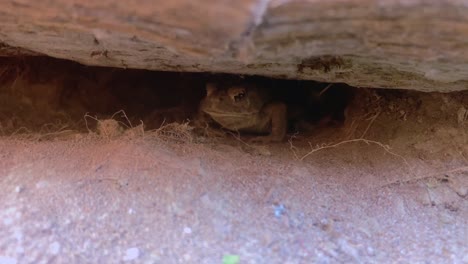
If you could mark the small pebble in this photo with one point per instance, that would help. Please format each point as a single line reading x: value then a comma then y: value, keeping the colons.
x: 370, y: 251
x: 279, y: 210
x: 187, y: 230
x: 131, y: 254
x: 54, y: 248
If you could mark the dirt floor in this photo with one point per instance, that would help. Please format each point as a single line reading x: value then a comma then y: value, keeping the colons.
x: 89, y: 175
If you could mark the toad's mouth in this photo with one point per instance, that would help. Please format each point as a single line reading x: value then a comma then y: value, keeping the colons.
x: 232, y: 114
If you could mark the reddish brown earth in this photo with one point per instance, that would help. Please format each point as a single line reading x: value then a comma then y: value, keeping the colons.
x: 389, y: 186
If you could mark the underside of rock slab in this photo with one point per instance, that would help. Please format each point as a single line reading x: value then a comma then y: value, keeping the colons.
x: 410, y: 44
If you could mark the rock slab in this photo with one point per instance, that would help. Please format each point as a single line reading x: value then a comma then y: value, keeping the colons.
x: 411, y: 44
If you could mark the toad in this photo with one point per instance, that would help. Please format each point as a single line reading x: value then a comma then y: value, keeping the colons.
x: 244, y: 108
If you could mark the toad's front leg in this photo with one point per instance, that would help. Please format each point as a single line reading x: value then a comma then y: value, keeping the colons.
x: 202, y: 123
x: 277, y: 113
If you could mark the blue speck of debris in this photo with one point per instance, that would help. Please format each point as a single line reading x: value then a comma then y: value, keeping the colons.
x: 279, y: 210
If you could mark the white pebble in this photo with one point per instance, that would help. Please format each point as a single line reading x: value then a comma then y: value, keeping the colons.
x: 371, y: 251
x: 131, y: 254
x: 187, y: 230
x: 54, y: 248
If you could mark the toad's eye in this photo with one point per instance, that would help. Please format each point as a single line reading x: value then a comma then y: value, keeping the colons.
x: 239, y: 96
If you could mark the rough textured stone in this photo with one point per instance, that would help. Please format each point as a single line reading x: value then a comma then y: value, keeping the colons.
x: 412, y: 44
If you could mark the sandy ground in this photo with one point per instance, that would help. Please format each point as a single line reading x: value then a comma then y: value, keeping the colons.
x: 390, y: 187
